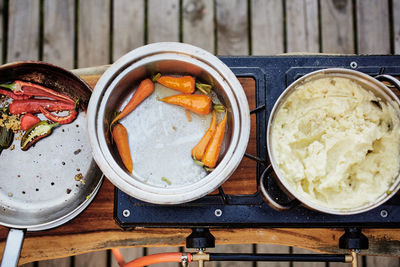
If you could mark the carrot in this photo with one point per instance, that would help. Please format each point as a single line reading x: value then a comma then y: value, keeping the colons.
x: 184, y: 84
x: 199, y: 150
x: 145, y: 88
x: 120, y: 136
x: 200, y: 104
x: 212, y: 152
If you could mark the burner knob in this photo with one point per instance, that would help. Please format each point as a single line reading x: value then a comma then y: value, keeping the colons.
x: 200, y: 238
x: 353, y: 239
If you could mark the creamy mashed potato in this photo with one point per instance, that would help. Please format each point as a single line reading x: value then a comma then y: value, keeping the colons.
x: 336, y: 143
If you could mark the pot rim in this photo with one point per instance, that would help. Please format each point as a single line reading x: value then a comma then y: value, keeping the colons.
x: 152, y: 53
x: 280, y: 178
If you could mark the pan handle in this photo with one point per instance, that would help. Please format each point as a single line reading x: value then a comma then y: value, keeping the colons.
x: 389, y: 78
x: 13, y: 247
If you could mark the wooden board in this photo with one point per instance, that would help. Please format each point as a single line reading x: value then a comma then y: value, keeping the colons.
x: 163, y: 21
x: 396, y: 25
x: 198, y: 16
x: 232, y: 27
x: 94, y: 259
x: 59, y: 33
x: 302, y: 26
x: 64, y: 262
x: 23, y: 30
x: 337, y: 29
x: 267, y: 27
x: 93, y: 33
x: 373, y: 27
x: 128, y: 26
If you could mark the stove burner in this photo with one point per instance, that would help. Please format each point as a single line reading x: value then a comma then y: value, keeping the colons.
x: 272, y: 75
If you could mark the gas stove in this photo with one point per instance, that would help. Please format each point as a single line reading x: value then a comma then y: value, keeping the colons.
x: 272, y: 75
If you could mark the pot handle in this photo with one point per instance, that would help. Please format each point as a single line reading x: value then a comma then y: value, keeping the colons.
x: 269, y: 199
x: 13, y: 247
x: 389, y: 78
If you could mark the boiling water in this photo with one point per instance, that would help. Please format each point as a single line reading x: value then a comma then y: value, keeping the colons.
x: 161, y: 138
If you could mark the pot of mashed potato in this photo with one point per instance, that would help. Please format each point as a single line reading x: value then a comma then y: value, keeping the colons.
x: 334, y: 141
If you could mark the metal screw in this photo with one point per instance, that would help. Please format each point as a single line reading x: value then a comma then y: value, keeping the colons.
x: 384, y: 213
x: 126, y: 213
x: 353, y: 64
x: 218, y: 212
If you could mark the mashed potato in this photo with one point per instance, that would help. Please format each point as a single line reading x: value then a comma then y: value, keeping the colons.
x: 336, y: 143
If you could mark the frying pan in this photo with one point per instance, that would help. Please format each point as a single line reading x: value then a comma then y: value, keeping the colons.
x: 54, y: 180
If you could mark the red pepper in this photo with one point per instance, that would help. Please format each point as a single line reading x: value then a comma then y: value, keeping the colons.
x: 13, y: 96
x: 33, y: 106
x: 32, y: 89
x: 28, y: 120
x: 60, y: 119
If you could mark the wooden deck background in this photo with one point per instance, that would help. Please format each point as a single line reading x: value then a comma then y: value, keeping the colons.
x: 83, y: 33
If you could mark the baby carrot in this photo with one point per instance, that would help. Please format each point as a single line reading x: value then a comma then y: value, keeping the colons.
x: 145, y: 88
x: 120, y: 136
x: 212, y: 152
x: 184, y: 84
x: 199, y: 150
x: 200, y: 104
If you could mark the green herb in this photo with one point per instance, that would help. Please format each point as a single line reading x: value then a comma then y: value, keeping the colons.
x: 166, y: 180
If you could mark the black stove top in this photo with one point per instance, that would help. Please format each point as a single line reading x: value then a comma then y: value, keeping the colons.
x: 272, y: 75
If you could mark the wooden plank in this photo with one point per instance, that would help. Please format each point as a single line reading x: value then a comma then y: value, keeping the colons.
x: 373, y: 27
x: 197, y: 17
x: 128, y: 34
x: 302, y: 26
x: 59, y: 30
x: 129, y: 254
x: 262, y: 248
x: 128, y: 26
x: 1, y: 29
x: 93, y: 33
x: 156, y: 250
x: 337, y: 29
x: 306, y: 264
x: 383, y: 261
x: 232, y: 37
x: 32, y: 264
x: 163, y: 21
x: 267, y: 31
x: 94, y: 259
x: 62, y: 262
x: 396, y: 25
x: 232, y: 27
x: 93, y: 49
x: 23, y: 30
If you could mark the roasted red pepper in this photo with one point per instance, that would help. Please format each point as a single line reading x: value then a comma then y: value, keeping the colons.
x: 32, y: 89
x: 13, y: 96
x: 33, y: 106
x: 35, y: 133
x: 28, y: 120
x: 72, y: 114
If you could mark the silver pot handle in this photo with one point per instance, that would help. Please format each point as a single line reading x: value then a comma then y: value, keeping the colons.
x: 389, y: 78
x: 269, y: 199
x: 13, y: 247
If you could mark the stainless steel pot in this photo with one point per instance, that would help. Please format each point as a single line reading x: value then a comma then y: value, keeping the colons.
x: 367, y: 82
x: 176, y: 59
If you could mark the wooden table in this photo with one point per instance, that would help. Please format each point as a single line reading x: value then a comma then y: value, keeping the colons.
x: 95, y: 229
x: 77, y: 34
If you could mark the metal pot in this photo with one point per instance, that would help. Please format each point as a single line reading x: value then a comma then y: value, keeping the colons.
x: 176, y: 59
x: 367, y: 82
x: 38, y: 187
